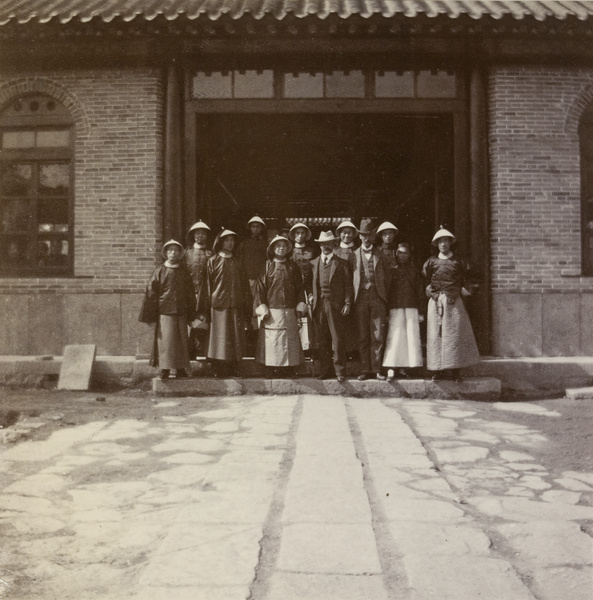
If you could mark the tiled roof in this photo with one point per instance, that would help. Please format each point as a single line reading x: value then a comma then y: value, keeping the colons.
x: 42, y: 11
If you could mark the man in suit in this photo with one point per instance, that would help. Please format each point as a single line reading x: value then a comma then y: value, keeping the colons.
x: 330, y: 296
x: 371, y: 281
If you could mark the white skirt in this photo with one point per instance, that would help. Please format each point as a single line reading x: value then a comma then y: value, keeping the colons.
x: 403, y: 347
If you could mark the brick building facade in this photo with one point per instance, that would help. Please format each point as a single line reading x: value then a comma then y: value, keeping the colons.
x: 542, y: 305
x: 141, y: 126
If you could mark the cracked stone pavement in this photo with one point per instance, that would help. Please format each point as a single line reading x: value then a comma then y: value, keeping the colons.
x: 296, y: 497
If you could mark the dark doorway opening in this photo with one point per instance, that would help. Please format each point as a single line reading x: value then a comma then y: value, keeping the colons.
x: 322, y: 166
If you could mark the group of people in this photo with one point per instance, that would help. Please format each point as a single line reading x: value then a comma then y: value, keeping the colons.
x: 355, y: 291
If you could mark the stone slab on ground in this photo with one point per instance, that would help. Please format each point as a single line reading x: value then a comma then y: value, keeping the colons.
x: 584, y: 393
x: 308, y: 586
x: 456, y: 578
x: 331, y: 548
x: 77, y: 367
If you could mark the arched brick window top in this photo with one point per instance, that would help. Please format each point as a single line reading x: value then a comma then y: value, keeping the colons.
x: 36, y: 183
x: 18, y: 89
x: 586, y: 146
x: 34, y: 109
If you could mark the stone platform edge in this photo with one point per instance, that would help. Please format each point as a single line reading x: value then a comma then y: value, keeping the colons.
x: 474, y: 388
x: 523, y: 375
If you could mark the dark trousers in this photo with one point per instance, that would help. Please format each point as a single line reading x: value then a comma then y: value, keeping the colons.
x: 371, y: 317
x: 329, y: 333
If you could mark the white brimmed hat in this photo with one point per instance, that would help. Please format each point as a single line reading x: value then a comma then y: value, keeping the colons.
x: 442, y: 232
x: 302, y: 226
x: 256, y: 220
x: 326, y: 236
x: 199, y: 225
x: 386, y: 226
x: 346, y: 224
x: 172, y: 243
x: 223, y: 233
x: 278, y: 238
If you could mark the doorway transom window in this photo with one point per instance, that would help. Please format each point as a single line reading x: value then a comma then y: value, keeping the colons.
x: 355, y: 83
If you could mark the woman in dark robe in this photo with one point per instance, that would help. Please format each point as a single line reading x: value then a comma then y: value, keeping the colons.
x: 302, y: 254
x: 403, y: 348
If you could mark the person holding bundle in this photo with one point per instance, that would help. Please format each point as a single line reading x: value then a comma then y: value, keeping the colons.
x: 450, y: 343
x: 279, y: 298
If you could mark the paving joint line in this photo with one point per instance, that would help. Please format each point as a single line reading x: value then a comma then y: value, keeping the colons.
x: 394, y: 574
x: 269, y: 544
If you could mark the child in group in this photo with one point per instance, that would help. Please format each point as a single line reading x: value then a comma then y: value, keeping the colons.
x: 450, y: 343
x: 348, y: 235
x: 403, y: 348
x: 196, y: 258
x: 226, y: 305
x: 279, y: 299
x: 388, y: 233
x: 330, y: 297
x: 169, y: 302
x: 252, y: 257
x: 302, y: 254
x: 371, y: 283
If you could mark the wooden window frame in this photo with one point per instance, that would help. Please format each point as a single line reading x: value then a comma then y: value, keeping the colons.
x: 38, y: 157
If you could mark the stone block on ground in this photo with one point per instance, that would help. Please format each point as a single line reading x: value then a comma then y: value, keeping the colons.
x: 329, y: 548
x: 456, y: 577
x: 308, y: 586
x: 584, y: 393
x: 77, y: 366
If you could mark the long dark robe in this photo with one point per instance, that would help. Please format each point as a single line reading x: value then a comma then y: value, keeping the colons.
x: 169, y: 293
x: 225, y: 304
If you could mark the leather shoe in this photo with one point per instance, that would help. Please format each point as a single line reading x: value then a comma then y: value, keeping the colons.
x: 381, y: 377
x: 165, y: 374
x: 362, y: 377
x: 341, y: 378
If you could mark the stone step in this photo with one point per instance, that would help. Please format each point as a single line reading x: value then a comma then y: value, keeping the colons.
x: 474, y: 388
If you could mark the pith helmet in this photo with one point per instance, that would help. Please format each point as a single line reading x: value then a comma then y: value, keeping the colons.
x: 199, y: 225
x: 441, y: 233
x: 256, y: 220
x: 346, y: 224
x: 172, y: 243
x: 224, y: 233
x: 386, y: 226
x: 278, y: 238
x: 326, y: 236
x: 303, y: 226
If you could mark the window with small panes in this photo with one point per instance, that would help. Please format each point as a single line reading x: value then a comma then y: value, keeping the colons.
x: 36, y: 157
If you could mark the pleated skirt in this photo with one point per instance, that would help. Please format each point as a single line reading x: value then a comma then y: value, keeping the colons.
x: 279, y: 343
x: 450, y: 341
